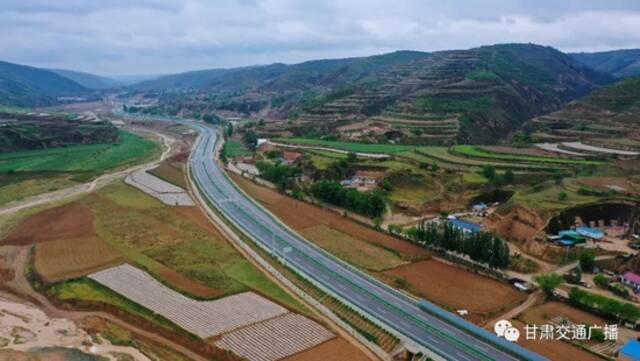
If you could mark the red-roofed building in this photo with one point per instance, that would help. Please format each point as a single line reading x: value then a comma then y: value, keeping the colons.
x: 289, y: 158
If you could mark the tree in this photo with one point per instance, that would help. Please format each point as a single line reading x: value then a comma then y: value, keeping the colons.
x: 562, y: 196
x: 509, y: 177
x: 352, y: 157
x: 251, y: 139
x: 587, y: 260
x: 601, y: 280
x: 489, y: 172
x: 549, y: 281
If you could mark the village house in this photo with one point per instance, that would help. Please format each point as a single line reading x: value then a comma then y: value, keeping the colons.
x: 632, y: 280
x: 289, y: 158
x: 364, y: 179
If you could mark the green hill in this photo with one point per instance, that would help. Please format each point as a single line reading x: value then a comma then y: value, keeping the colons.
x: 609, y: 115
x: 89, y: 81
x: 26, y: 86
x: 476, y: 95
x: 619, y: 63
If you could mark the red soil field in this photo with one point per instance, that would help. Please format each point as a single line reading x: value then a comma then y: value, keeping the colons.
x: 71, y: 220
x: 458, y: 288
x: 335, y: 349
x: 300, y: 215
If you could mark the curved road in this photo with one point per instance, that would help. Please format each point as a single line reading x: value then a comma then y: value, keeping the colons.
x: 396, y: 311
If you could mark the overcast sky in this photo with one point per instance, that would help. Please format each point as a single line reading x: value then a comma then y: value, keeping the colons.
x: 167, y: 36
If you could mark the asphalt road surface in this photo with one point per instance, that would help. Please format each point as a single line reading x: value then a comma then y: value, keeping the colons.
x: 397, y: 311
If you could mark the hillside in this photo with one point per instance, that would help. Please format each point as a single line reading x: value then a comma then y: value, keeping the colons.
x: 619, y: 63
x: 607, y: 116
x: 475, y: 95
x: 89, y: 81
x: 26, y: 86
x: 31, y: 131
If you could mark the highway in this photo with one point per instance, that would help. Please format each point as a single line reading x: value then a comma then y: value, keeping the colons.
x: 396, y: 311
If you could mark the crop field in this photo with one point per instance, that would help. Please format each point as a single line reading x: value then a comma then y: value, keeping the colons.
x: 476, y: 152
x: 348, y: 146
x: 456, y: 288
x: 444, y: 155
x: 69, y: 221
x: 202, y: 318
x: 80, y: 158
x: 300, y: 216
x: 158, y: 237
x: 73, y: 257
x: 235, y: 148
x: 276, y: 338
x: 548, y: 197
x: 360, y: 253
x: 17, y: 186
x: 336, y: 349
x: 88, y: 290
x: 171, y: 172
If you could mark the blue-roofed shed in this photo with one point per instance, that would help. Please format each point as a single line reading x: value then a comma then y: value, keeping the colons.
x: 465, y: 226
x: 590, y: 232
x: 630, y: 351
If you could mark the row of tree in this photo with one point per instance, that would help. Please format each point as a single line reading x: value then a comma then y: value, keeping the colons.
x: 479, y: 246
x: 281, y: 175
x: 371, y: 203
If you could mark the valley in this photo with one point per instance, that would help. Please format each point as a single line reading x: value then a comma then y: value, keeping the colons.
x: 390, y: 207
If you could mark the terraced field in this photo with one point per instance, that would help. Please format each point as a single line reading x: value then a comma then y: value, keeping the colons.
x: 348, y: 146
x: 476, y: 152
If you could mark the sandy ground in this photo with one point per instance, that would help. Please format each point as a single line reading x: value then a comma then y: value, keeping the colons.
x: 24, y: 327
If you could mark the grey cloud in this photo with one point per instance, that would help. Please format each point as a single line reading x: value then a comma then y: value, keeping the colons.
x: 161, y: 36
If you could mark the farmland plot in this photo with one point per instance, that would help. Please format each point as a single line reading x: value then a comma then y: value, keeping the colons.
x: 164, y: 191
x: 202, y: 318
x: 275, y: 338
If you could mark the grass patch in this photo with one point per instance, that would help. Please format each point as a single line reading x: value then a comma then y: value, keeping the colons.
x: 14, y: 187
x: 154, y: 236
x: 355, y: 251
x: 86, y: 289
x: 235, y: 148
x: 94, y: 158
x: 475, y: 152
x: 348, y: 146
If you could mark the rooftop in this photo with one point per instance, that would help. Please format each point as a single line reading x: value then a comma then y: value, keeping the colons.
x: 473, y: 227
x: 631, y: 349
x: 632, y: 277
x: 590, y: 232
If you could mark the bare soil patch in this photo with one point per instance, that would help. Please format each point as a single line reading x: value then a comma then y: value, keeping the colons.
x: 336, y: 349
x: 609, y: 183
x: 71, y: 220
x: 554, y: 350
x: 458, y: 288
x: 74, y: 257
x: 519, y: 224
x: 300, y: 215
x: 544, y: 313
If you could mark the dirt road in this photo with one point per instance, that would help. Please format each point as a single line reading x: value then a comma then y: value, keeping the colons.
x: 20, y: 285
x: 90, y: 186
